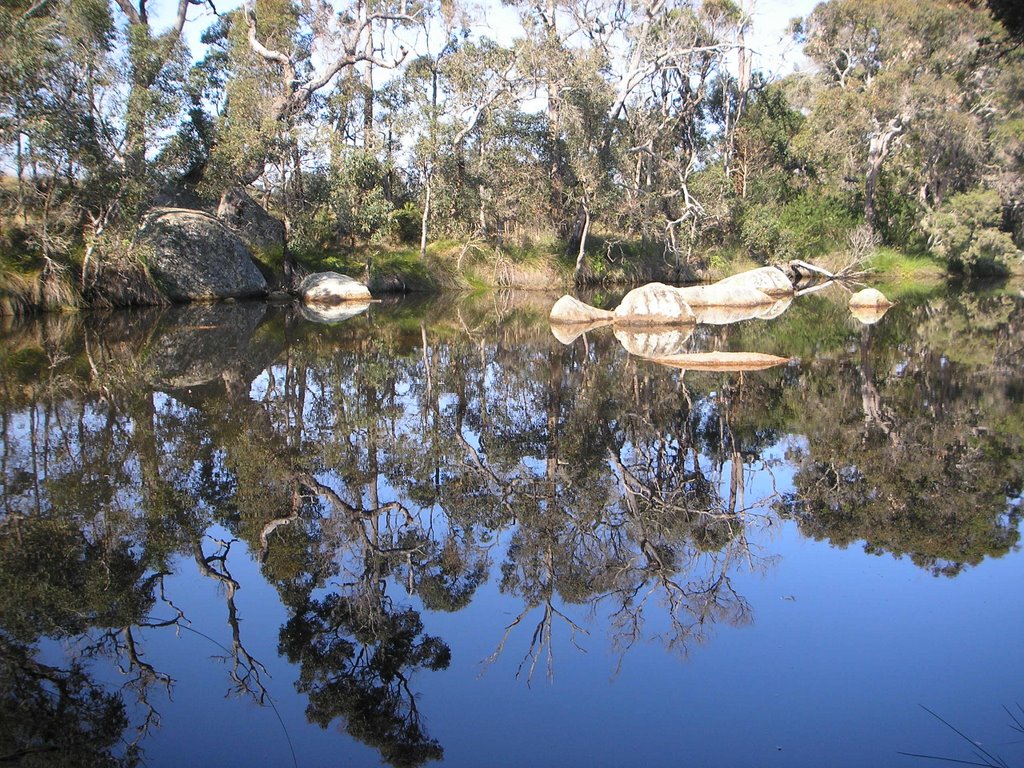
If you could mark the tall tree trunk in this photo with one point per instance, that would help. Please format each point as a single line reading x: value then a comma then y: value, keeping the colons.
x: 553, y: 112
x: 425, y: 220
x: 368, y: 138
x: 581, y: 254
x: 878, y: 149
x: 19, y: 164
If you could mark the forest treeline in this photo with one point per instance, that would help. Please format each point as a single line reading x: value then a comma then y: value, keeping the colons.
x: 600, y: 136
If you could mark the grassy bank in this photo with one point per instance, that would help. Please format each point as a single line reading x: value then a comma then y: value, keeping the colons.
x: 451, y: 265
x: 448, y: 265
x: 532, y: 265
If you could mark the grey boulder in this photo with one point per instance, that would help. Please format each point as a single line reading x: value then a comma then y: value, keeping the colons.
x: 194, y: 257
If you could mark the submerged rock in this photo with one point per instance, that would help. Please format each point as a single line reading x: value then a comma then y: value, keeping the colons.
x: 194, y: 257
x: 332, y: 288
x: 722, y: 361
x: 571, y: 310
x: 263, y: 233
x: 654, y: 304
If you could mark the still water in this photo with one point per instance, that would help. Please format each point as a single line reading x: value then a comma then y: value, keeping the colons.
x: 434, y: 533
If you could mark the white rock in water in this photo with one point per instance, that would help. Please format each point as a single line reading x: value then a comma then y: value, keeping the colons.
x: 567, y: 333
x: 776, y: 309
x: 718, y: 315
x: 769, y: 280
x: 723, y: 361
x: 570, y: 310
x: 718, y: 295
x: 333, y: 313
x: 653, y: 304
x: 869, y: 297
x: 868, y: 315
x: 332, y: 288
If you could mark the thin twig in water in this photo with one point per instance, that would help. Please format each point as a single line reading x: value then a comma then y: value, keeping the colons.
x: 988, y: 759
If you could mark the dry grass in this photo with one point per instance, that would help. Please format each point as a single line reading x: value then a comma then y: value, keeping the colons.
x: 49, y: 290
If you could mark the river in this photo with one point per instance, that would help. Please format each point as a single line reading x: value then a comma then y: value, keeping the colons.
x: 434, y: 533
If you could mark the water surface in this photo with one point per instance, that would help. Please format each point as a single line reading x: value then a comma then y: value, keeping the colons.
x: 434, y: 533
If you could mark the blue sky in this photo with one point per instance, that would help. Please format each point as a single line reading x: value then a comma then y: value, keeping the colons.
x: 775, y: 53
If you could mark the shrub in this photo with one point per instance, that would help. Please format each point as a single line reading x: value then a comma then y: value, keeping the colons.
x: 759, y: 230
x: 813, y: 224
x: 810, y: 225
x: 965, y: 233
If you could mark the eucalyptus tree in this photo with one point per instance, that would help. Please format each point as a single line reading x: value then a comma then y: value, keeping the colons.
x: 282, y: 55
x: 449, y: 100
x: 55, y: 73
x: 905, y: 78
x: 156, y: 64
x: 657, y: 119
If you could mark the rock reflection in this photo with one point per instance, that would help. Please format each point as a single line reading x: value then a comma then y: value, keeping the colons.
x: 380, y: 471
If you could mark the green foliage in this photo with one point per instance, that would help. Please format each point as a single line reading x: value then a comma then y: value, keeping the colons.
x: 899, y: 216
x: 808, y: 226
x: 905, y: 271
x: 812, y: 224
x: 760, y: 231
x: 715, y: 190
x: 965, y: 232
x: 358, y: 196
x: 54, y: 716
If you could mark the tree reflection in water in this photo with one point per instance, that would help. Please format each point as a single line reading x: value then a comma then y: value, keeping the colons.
x: 425, y: 449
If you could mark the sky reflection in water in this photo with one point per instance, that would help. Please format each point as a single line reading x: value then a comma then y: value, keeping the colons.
x: 433, y: 531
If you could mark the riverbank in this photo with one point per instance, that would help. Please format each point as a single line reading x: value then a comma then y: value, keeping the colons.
x: 27, y: 287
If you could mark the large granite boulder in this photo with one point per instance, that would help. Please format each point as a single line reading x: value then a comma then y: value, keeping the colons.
x: 332, y: 288
x: 262, y: 233
x: 194, y: 257
x: 653, y: 304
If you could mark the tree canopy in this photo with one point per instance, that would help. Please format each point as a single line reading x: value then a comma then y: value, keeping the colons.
x: 616, y: 133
